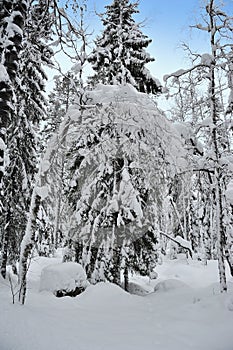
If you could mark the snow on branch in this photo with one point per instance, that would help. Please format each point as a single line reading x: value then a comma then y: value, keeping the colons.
x: 201, y: 27
x: 183, y: 243
x: 206, y: 61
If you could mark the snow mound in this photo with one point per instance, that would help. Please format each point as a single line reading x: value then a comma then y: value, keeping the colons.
x: 137, y: 289
x: 170, y: 284
x: 104, y: 289
x: 103, y: 295
x: 64, y: 276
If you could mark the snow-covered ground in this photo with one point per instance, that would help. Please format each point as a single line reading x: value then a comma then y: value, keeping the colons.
x: 186, y: 312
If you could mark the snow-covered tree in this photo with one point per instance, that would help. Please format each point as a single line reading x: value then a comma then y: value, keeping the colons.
x: 41, y: 191
x: 69, y: 88
x: 12, y: 17
x: 61, y: 97
x: 12, y: 20
x: 29, y: 107
x: 119, y: 166
x: 60, y: 24
x: 119, y: 55
x: 213, y: 71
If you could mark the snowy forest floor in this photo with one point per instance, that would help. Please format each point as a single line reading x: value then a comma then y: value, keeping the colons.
x: 186, y: 312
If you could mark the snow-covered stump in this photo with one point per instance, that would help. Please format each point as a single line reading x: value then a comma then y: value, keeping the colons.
x: 64, y: 279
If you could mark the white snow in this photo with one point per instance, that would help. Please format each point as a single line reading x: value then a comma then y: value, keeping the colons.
x: 175, y: 74
x: 3, y: 74
x: 207, y: 122
x: 207, y: 59
x: 184, y: 130
x: 67, y: 276
x: 45, y: 165
x: 169, y: 284
x: 187, y: 312
x: 229, y: 192
x: 42, y: 191
x: 183, y: 242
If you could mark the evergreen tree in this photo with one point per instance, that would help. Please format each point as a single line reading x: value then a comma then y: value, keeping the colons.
x: 29, y: 108
x: 118, y: 166
x: 51, y: 17
x: 60, y: 99
x: 12, y: 17
x: 12, y: 24
x: 119, y: 56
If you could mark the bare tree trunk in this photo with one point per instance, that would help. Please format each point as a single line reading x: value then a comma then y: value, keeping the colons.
x: 214, y: 117
x: 221, y: 236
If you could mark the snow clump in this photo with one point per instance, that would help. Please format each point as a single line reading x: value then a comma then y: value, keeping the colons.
x: 63, y: 278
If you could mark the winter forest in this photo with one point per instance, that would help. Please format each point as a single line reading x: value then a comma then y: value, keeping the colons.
x: 116, y: 217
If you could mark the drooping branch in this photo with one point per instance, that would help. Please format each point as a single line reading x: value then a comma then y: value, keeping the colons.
x: 179, y: 241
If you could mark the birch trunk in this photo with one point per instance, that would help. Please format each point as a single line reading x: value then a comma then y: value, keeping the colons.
x: 214, y: 117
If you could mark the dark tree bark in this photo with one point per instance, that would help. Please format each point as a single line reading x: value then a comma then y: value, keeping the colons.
x: 126, y: 278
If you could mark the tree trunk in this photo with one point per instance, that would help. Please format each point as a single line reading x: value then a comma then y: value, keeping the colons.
x: 5, y: 242
x: 27, y: 245
x: 229, y: 261
x: 59, y: 199
x: 126, y: 278
x: 57, y: 221
x: 214, y: 117
x: 116, y: 266
x: 221, y: 235
x: 4, y: 255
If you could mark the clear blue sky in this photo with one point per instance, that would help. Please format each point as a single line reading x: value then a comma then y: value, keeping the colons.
x: 167, y: 24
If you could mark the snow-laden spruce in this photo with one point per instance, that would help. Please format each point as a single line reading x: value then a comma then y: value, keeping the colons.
x: 121, y: 153
x: 120, y: 53
x: 124, y: 153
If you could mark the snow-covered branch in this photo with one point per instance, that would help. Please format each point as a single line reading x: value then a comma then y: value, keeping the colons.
x: 181, y: 242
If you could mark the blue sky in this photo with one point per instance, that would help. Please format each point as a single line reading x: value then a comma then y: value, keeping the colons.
x: 167, y: 24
